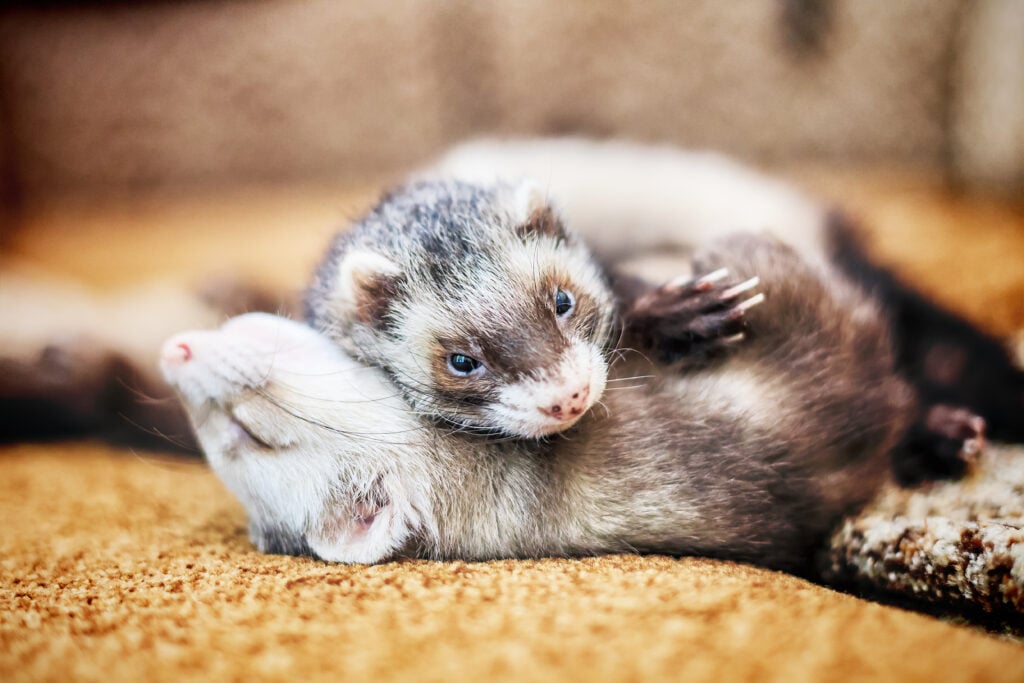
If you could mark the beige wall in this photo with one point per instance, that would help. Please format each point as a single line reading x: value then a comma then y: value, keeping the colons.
x: 135, y: 96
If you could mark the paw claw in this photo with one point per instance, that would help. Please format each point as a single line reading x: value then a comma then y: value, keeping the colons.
x: 711, y: 278
x: 745, y: 306
x: 695, y: 318
x: 959, y: 428
x: 736, y: 290
x: 977, y: 423
x: 972, y: 447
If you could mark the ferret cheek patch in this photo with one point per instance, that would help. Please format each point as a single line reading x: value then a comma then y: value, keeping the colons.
x: 367, y: 284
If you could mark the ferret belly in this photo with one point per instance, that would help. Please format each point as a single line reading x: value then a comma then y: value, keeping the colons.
x: 752, y: 460
x: 700, y: 466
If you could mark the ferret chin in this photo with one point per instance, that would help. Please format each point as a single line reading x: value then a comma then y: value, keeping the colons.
x: 485, y: 311
x: 490, y: 316
x: 561, y: 401
x: 632, y: 200
x: 752, y: 458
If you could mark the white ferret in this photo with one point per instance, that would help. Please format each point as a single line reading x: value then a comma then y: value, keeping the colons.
x: 753, y: 459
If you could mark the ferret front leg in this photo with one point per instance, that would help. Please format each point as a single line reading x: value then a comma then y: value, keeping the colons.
x: 690, y: 320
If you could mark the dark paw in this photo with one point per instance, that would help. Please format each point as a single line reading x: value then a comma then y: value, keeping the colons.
x: 693, y: 319
x: 944, y: 443
x: 958, y: 430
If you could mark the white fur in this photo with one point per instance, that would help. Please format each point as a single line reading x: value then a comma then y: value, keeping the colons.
x: 529, y: 198
x: 489, y: 310
x: 225, y: 384
x: 626, y: 197
x: 356, y: 269
x: 580, y: 369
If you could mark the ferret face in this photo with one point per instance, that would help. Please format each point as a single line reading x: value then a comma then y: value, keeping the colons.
x: 485, y: 311
x: 301, y: 434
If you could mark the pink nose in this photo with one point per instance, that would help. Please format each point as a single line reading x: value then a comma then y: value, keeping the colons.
x: 569, y: 408
x: 176, y: 352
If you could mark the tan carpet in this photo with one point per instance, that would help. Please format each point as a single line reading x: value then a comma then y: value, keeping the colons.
x: 115, y: 566
x: 118, y: 566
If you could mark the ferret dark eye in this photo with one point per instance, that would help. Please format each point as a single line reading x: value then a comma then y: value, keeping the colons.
x: 462, y: 364
x: 564, y: 303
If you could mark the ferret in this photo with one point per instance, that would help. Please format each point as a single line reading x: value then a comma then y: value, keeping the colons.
x: 752, y: 458
x: 627, y: 199
x: 488, y: 313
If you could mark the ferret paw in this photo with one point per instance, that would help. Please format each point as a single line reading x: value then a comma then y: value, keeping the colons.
x: 960, y: 432
x: 944, y: 444
x: 694, y: 319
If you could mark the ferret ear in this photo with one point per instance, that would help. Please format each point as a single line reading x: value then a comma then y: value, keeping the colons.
x: 367, y: 530
x: 533, y: 213
x: 368, y: 282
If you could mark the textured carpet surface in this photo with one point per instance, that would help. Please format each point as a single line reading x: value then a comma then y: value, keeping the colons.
x: 117, y: 566
x: 957, y: 545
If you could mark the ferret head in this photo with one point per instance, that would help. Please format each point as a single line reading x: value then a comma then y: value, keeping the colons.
x: 307, y: 439
x: 483, y: 308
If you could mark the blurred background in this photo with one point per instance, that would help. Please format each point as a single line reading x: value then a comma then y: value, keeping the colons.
x: 129, y: 97
x: 167, y: 163
x: 143, y: 138
x: 148, y: 146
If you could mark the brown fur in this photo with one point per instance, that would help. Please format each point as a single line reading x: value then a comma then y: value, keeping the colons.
x: 753, y: 458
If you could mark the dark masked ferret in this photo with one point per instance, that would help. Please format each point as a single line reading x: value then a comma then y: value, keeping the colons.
x: 753, y: 459
x: 485, y: 310
x: 625, y: 198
